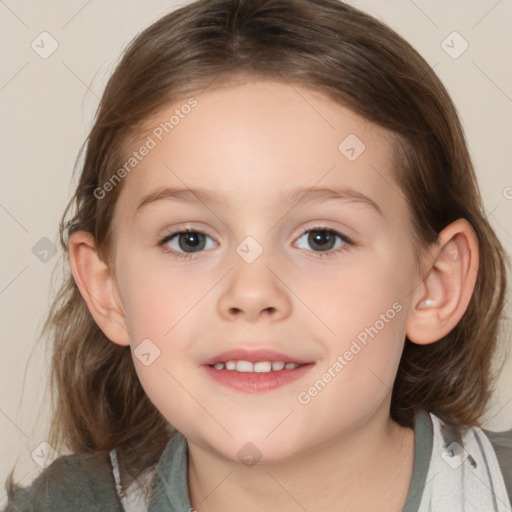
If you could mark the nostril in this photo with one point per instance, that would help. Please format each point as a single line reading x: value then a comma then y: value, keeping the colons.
x: 269, y: 310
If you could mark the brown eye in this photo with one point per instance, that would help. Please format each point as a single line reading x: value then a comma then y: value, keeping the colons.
x: 186, y: 241
x: 190, y: 241
x: 323, y: 241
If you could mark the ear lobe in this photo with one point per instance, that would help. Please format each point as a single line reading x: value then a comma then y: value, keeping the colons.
x: 443, y: 296
x: 98, y: 288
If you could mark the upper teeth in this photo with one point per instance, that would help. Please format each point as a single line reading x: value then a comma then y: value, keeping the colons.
x: 259, y: 367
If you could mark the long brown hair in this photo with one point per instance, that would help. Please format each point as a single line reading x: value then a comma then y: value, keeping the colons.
x: 357, y: 61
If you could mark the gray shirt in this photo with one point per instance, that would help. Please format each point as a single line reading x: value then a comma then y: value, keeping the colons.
x: 86, y: 483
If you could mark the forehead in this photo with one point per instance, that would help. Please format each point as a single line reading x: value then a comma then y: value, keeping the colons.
x: 251, y: 141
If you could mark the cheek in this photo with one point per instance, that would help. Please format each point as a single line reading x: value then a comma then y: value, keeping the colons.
x: 356, y: 378
x: 364, y: 315
x: 162, y: 308
x: 158, y: 299
x: 160, y: 336
x: 354, y: 297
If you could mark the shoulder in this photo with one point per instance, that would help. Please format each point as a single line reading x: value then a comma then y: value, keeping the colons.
x: 71, y: 482
x: 502, y: 444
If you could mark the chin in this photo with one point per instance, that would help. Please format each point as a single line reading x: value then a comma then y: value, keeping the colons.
x: 256, y: 448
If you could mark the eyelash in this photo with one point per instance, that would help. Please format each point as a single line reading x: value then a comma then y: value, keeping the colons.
x: 326, y: 254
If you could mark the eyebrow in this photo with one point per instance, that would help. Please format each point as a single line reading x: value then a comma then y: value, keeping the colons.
x: 310, y: 195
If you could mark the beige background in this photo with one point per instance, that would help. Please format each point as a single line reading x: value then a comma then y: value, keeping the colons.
x: 47, y: 107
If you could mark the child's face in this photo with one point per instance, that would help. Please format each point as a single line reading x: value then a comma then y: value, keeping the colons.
x: 253, y: 281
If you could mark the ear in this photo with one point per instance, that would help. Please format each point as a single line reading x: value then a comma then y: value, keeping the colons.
x: 97, y: 285
x: 442, y: 297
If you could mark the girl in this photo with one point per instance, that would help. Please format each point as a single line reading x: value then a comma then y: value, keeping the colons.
x: 283, y: 290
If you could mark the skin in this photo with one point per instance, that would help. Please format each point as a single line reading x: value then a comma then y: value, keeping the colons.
x: 341, y: 450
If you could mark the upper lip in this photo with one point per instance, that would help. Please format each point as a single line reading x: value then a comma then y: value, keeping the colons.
x: 253, y: 356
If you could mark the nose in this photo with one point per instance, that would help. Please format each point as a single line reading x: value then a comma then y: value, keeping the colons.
x: 254, y: 291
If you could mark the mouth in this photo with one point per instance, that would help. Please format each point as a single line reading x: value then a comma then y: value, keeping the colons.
x: 255, y: 371
x: 256, y: 367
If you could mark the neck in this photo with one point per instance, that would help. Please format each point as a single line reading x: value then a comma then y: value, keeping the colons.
x: 369, y: 469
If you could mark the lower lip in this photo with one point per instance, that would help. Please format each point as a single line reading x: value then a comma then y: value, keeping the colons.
x: 250, y: 382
